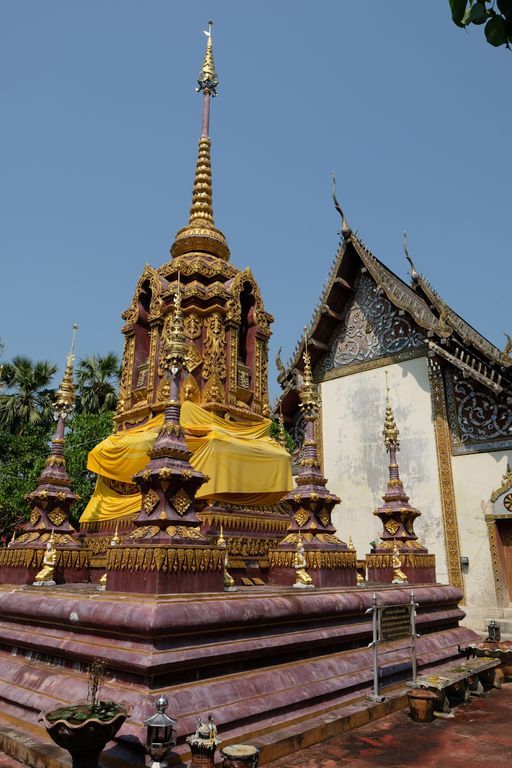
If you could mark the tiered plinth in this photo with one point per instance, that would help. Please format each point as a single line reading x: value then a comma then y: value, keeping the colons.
x: 257, y: 659
x: 166, y: 551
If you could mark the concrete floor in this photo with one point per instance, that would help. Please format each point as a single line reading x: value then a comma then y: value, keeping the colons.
x: 479, y: 735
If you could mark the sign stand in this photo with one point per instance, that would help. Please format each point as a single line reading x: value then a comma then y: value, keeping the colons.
x: 391, y: 622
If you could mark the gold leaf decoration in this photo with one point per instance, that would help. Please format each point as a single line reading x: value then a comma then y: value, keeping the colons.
x: 150, y: 502
x: 56, y: 516
x: 181, y: 501
x: 301, y: 517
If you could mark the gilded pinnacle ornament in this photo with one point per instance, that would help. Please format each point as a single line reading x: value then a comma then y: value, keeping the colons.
x: 201, y: 234
x: 175, y: 345
x: 308, y: 394
x: 208, y: 81
x: 65, y: 395
x: 390, y: 431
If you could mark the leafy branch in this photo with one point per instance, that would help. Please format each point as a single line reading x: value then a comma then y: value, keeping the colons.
x: 495, y: 14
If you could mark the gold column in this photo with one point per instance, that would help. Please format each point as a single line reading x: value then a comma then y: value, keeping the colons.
x: 444, y: 467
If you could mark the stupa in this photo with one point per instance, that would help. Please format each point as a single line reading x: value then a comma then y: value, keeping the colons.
x: 50, y: 503
x: 397, y: 516
x: 223, y: 391
x: 328, y: 559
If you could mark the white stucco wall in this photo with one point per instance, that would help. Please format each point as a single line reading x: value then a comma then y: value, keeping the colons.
x: 355, y: 460
x: 475, y: 477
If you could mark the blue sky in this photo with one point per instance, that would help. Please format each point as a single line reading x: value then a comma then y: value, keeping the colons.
x: 98, y: 142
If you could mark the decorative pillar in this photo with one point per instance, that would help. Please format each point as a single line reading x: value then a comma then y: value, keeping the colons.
x: 166, y: 552
x: 329, y: 562
x: 50, y: 505
x: 399, y: 549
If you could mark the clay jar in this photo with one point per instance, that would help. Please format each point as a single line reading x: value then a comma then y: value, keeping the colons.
x: 421, y: 705
x: 240, y: 756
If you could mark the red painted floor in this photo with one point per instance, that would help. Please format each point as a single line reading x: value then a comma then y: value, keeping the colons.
x: 479, y: 735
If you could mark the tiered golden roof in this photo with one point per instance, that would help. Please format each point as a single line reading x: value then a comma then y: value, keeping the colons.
x: 65, y: 395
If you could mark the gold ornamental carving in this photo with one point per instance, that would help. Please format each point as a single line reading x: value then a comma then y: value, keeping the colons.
x: 181, y: 501
x: 214, y: 390
x: 34, y: 516
x: 150, y: 501
x: 499, y: 585
x: 193, y: 325
x: 190, y: 390
x: 411, y: 560
x: 165, y: 559
x: 214, y: 347
x: 301, y: 517
x: 315, y: 560
x: 56, y: 516
x: 324, y: 518
x: 392, y: 527
x: 444, y: 465
x: 193, y: 359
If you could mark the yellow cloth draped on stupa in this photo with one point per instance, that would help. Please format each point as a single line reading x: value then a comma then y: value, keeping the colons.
x: 244, y: 464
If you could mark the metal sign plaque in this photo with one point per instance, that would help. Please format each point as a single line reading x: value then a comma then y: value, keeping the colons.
x: 395, y: 622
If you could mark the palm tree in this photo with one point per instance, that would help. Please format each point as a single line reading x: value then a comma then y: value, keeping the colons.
x: 97, y: 380
x: 29, y: 401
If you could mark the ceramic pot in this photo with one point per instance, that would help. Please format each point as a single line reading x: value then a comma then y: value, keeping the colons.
x: 421, y: 705
x: 85, y: 741
x: 240, y: 756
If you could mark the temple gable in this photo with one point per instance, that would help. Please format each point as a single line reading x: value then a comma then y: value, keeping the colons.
x: 371, y: 327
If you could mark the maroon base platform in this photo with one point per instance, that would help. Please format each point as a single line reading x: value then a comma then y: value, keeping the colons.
x: 254, y: 658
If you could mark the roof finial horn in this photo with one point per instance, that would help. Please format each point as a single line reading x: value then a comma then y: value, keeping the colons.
x: 414, y: 274
x: 345, y: 229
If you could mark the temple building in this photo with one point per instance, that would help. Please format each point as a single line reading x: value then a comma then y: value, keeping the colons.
x: 452, y: 398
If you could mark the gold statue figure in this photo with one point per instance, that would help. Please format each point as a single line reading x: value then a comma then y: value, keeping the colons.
x: 229, y: 582
x: 45, y: 575
x: 399, y: 576
x: 302, y: 578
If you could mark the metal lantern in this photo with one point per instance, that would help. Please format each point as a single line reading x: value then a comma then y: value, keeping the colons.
x: 161, y: 737
x: 493, y: 628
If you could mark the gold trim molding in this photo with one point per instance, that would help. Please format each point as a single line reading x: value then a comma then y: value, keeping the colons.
x: 444, y: 467
x: 410, y: 561
x: 165, y: 559
x: 496, y: 562
x: 314, y: 559
x: 378, y: 362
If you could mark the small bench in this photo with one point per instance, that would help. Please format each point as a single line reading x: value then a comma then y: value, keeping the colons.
x: 459, y: 680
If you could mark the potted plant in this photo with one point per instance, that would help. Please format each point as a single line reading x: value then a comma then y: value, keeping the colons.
x: 83, y: 729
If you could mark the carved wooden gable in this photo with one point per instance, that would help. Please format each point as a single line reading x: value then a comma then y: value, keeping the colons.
x: 480, y: 420
x: 372, y: 327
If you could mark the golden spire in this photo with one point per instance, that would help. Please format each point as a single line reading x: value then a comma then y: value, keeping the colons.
x: 201, y: 234
x: 390, y: 431
x: 221, y: 541
x: 65, y: 395
x: 208, y: 81
x: 309, y: 391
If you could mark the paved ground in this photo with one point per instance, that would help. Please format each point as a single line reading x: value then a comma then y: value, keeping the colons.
x: 479, y: 735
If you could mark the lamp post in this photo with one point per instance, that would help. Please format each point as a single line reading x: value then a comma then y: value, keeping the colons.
x: 160, y: 737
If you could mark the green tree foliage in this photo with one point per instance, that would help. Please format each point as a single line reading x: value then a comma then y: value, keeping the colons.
x: 97, y: 381
x: 496, y: 15
x: 274, y: 433
x: 85, y: 431
x: 27, y: 397
x: 22, y: 458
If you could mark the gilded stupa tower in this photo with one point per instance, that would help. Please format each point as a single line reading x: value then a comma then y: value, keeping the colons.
x: 226, y: 325
x: 222, y: 387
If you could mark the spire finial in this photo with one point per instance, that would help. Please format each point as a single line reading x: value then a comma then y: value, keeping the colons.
x: 208, y: 81
x: 200, y: 234
x: 175, y: 341
x: 309, y: 392
x: 65, y: 395
x: 390, y: 431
